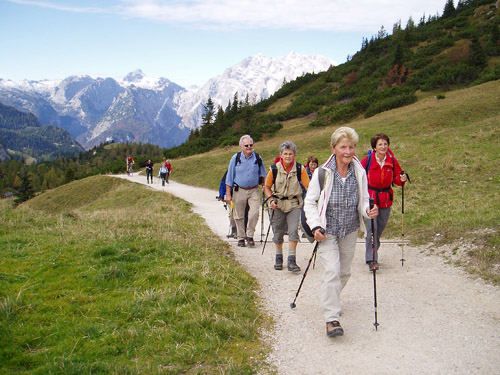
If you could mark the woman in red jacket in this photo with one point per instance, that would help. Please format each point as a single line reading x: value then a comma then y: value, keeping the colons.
x: 383, y: 171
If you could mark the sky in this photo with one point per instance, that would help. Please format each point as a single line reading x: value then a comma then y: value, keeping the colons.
x: 185, y: 41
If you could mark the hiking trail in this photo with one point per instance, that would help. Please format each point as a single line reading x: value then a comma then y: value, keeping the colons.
x: 434, y: 318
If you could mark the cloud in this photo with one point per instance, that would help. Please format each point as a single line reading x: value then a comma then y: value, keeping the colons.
x: 63, y: 7
x: 325, y: 15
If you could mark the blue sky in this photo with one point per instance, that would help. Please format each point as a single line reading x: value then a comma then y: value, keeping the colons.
x: 187, y: 41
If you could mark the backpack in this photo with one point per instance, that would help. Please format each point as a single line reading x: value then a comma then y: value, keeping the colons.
x: 258, y: 162
x: 303, y: 222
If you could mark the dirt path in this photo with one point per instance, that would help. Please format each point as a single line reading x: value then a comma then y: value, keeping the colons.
x: 434, y: 318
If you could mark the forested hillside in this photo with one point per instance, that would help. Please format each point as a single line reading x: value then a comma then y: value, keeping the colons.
x: 106, y: 158
x: 24, y: 135
x: 459, y: 49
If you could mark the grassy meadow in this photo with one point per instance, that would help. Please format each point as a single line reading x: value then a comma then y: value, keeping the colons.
x: 103, y: 276
x: 450, y: 148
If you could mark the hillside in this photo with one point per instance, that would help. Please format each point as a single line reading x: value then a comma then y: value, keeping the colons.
x: 459, y: 49
x: 448, y: 146
x: 23, y: 134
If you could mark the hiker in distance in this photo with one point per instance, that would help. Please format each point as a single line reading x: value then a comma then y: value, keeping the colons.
x: 245, y: 174
x: 149, y: 170
x: 284, y: 190
x: 168, y: 165
x: 338, y: 207
x: 382, y: 170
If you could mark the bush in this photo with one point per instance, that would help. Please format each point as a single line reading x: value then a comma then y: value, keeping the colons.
x: 390, y: 103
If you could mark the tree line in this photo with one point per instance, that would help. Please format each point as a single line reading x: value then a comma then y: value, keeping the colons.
x: 107, y: 158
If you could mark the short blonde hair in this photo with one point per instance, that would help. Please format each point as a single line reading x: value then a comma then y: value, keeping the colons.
x: 344, y: 133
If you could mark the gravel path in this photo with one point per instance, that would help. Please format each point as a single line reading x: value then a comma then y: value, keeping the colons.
x: 434, y: 318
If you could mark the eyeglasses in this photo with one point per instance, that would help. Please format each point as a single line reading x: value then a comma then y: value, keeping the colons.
x: 250, y: 145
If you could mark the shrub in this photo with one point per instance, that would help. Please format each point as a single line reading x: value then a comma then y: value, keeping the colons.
x: 390, y: 103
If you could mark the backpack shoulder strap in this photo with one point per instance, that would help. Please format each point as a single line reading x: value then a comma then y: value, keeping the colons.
x: 368, y: 161
x: 298, y: 166
x: 259, y: 159
x: 274, y: 169
x: 321, y: 178
x: 238, y: 158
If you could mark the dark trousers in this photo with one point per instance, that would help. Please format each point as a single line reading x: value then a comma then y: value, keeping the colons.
x: 379, y: 223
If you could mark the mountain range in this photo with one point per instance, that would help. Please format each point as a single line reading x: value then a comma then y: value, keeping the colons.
x: 142, y: 109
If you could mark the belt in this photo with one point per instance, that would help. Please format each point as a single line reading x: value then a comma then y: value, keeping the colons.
x: 249, y: 188
x: 286, y: 198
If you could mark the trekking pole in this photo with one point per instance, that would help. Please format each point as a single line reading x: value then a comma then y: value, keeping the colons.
x: 374, y: 268
x: 262, y: 217
x: 313, y: 255
x: 402, y: 225
x: 403, y: 220
x: 268, y: 228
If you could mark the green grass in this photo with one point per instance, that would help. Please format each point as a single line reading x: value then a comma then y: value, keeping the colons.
x: 449, y: 147
x: 104, y: 276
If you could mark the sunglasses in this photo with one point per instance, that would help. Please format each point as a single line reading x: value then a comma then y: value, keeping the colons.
x: 250, y: 145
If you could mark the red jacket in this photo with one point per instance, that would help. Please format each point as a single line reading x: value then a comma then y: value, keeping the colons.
x: 381, y: 179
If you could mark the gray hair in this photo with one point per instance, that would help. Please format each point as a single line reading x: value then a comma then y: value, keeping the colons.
x: 344, y: 133
x: 288, y: 145
x: 243, y: 137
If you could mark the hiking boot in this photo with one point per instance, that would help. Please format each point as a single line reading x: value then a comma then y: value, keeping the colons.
x: 371, y: 264
x: 292, y: 266
x: 250, y: 242
x: 334, y: 329
x: 278, y: 265
x: 241, y: 243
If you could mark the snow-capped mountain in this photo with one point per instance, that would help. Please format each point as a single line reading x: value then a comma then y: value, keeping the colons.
x: 142, y: 109
x: 258, y: 77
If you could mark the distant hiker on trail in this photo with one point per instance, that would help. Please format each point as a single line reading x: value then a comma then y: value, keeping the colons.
x: 338, y: 207
x: 149, y: 170
x: 169, y: 169
x: 130, y: 162
x: 382, y: 170
x: 245, y: 173
x: 163, y: 174
x: 283, y: 188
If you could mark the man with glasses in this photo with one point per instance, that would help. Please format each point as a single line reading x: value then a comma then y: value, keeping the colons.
x: 245, y: 173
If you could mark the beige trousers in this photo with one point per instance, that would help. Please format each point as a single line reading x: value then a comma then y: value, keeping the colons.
x: 240, y: 199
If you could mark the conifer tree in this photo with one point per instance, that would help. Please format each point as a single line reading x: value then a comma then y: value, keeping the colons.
x: 449, y: 9
x: 208, y: 114
x: 25, y: 190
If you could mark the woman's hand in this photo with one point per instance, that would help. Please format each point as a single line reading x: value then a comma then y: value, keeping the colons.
x: 274, y: 204
x: 372, y: 213
x: 403, y: 177
x: 319, y: 234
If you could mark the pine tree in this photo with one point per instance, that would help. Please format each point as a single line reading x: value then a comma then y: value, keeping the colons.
x: 25, y: 190
x: 208, y: 115
x: 449, y: 9
x: 477, y: 55
x: 69, y: 175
